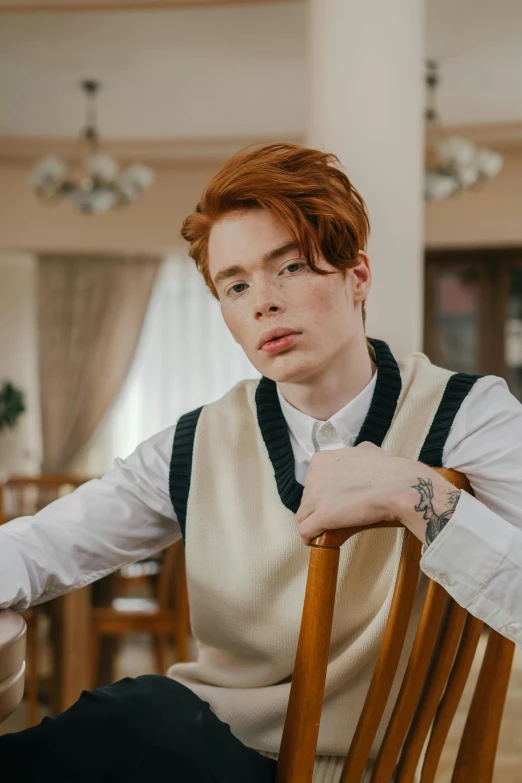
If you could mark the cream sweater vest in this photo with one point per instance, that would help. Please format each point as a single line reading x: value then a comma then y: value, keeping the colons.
x: 247, y: 568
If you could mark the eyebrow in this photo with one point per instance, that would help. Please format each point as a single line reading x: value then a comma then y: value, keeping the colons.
x: 272, y: 255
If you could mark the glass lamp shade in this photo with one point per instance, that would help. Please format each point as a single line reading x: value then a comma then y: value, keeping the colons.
x: 134, y: 180
x: 47, y: 175
x: 439, y: 185
x: 102, y: 166
x: 467, y: 175
x: 457, y: 151
x: 488, y: 163
x: 93, y: 201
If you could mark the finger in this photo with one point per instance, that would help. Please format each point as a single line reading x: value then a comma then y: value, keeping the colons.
x: 367, y: 445
x: 305, y: 510
x: 311, y: 527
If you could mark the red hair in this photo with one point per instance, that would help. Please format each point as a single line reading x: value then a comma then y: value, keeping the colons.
x: 305, y: 188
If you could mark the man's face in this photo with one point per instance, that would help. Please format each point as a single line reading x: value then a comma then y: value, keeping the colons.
x: 291, y: 322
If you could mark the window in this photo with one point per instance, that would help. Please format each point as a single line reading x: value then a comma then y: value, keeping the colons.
x: 186, y: 357
x: 473, y: 314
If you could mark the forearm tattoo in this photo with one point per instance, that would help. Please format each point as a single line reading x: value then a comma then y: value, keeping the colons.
x: 436, y: 522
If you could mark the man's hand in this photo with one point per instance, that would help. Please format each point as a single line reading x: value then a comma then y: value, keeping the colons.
x: 365, y: 485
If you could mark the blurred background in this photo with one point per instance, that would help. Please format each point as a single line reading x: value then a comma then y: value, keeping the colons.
x: 113, y: 116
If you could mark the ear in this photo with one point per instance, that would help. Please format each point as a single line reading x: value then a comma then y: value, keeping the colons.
x: 361, y: 278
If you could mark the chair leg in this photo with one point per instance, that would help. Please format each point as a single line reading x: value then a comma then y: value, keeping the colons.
x: 161, y: 648
x: 33, y: 647
x: 108, y: 651
x: 95, y: 656
x: 181, y: 645
x: 182, y: 630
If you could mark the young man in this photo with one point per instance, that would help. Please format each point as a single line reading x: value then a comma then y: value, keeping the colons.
x: 279, y: 236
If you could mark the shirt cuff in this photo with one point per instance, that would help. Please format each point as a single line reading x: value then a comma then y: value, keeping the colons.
x: 468, y: 559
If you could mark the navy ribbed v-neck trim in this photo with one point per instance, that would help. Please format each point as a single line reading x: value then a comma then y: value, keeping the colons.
x: 276, y: 436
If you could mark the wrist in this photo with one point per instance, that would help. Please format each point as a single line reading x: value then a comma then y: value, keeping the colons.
x: 424, y: 502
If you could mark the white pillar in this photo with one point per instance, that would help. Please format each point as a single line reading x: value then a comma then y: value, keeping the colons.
x: 367, y: 106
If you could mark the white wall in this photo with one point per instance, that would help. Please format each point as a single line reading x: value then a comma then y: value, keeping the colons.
x: 20, y: 449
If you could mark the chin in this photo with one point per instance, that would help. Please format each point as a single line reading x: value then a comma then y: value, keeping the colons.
x: 290, y: 369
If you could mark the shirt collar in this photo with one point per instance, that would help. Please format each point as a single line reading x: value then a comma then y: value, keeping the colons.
x: 347, y: 422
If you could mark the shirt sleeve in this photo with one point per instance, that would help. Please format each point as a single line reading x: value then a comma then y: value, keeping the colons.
x: 125, y: 516
x: 477, y: 557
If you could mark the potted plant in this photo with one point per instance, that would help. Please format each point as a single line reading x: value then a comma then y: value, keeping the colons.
x: 12, y: 405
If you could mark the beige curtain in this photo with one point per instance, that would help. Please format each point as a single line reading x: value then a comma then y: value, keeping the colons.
x: 90, y: 314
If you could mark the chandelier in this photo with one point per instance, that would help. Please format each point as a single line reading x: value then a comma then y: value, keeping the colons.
x: 453, y: 163
x: 91, y: 179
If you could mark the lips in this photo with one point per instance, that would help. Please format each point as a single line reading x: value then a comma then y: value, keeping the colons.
x: 275, y: 334
x: 278, y: 340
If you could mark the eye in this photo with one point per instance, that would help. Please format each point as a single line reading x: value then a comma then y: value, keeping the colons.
x: 294, y: 267
x: 233, y: 288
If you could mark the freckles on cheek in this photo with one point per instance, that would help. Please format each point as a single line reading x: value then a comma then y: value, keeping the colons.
x: 322, y: 300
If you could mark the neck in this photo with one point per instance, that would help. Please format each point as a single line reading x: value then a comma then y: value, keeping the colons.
x: 324, y: 394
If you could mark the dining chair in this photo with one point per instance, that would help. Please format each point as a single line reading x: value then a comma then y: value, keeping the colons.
x: 12, y: 662
x: 438, y: 667
x: 25, y: 496
x: 165, y: 616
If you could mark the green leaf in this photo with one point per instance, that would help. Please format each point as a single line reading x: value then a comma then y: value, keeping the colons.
x: 12, y: 405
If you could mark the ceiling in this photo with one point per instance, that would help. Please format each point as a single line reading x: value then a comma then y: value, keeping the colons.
x: 230, y: 71
x: 181, y: 73
x: 478, y: 44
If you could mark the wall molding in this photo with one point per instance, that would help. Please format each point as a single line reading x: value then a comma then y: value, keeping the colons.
x: 193, y: 153
x: 162, y: 153
x: 501, y: 136
x: 119, y: 5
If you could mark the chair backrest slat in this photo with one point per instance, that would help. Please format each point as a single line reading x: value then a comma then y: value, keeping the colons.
x: 387, y: 662
x: 297, y: 755
x: 478, y: 747
x: 412, y: 684
x: 436, y: 681
x: 452, y: 695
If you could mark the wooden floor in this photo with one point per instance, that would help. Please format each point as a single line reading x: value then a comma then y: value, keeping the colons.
x: 136, y: 658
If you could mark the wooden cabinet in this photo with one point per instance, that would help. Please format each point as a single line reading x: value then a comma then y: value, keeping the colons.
x: 473, y: 312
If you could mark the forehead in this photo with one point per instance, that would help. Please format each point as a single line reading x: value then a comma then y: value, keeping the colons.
x: 244, y: 238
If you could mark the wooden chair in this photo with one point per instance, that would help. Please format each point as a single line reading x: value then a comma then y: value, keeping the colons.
x: 22, y: 496
x: 165, y: 616
x: 12, y: 662
x: 25, y: 495
x: 430, y: 690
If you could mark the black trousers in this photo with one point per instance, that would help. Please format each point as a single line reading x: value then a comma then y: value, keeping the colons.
x: 145, y: 730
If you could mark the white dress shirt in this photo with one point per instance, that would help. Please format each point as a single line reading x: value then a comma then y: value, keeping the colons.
x: 127, y: 515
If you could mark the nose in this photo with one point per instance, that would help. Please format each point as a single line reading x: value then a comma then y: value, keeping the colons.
x: 267, y: 300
